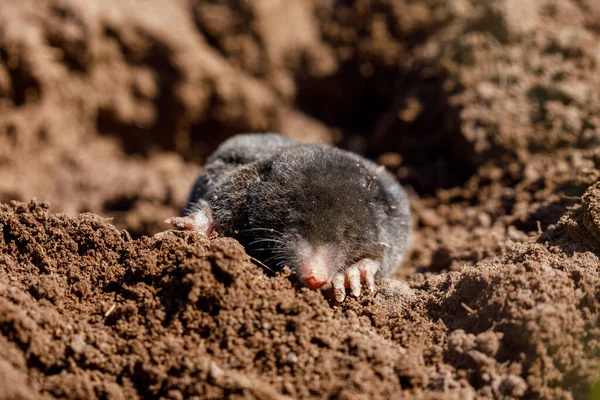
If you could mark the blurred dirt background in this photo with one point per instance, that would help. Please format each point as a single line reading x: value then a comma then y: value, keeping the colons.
x: 488, y: 112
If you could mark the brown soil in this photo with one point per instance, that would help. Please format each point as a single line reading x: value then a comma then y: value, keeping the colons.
x: 488, y: 112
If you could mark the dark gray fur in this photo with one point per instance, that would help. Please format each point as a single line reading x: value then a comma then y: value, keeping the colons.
x: 270, y: 192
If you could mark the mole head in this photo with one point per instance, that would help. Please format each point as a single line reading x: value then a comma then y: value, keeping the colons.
x: 321, y: 205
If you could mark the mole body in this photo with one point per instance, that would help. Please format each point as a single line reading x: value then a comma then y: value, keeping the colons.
x: 335, y: 218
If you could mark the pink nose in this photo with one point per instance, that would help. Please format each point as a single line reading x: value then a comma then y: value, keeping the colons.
x: 313, y: 282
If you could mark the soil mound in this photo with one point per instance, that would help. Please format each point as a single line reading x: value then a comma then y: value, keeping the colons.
x: 87, y: 311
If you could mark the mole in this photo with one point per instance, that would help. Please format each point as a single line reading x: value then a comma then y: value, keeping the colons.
x: 335, y: 218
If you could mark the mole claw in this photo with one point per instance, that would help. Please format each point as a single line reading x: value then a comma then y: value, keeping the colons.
x: 339, y: 289
x: 370, y: 281
x: 353, y: 275
x: 368, y: 268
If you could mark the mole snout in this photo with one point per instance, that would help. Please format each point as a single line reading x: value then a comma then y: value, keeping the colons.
x: 315, y: 264
x: 335, y: 218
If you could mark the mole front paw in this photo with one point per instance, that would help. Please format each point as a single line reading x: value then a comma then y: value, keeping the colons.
x: 353, y: 276
x: 200, y: 220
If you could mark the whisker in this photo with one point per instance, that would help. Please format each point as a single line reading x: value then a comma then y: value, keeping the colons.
x: 267, y: 240
x: 279, y: 258
x: 274, y: 257
x: 263, y: 229
x: 272, y: 249
x: 261, y: 263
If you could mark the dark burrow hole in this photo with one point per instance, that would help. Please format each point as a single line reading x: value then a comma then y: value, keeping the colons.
x: 392, y: 112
